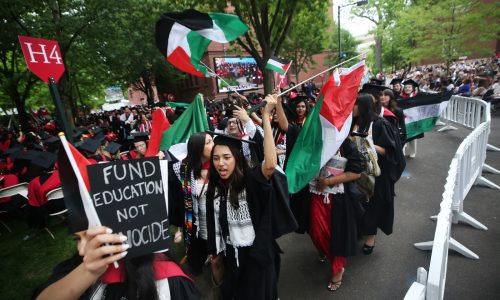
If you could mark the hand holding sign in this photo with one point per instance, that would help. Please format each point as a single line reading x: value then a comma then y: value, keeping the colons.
x: 99, y: 248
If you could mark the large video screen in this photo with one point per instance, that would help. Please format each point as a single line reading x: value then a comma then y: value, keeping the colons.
x: 240, y: 73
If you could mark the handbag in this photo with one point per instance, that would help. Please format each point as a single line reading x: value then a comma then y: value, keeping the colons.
x: 366, y: 183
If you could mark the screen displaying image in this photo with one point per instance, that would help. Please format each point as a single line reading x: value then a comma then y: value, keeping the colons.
x: 241, y: 73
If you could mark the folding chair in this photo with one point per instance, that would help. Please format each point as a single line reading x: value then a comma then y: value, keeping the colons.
x: 55, y: 205
x: 18, y: 189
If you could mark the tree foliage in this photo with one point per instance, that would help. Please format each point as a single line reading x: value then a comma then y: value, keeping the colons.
x: 349, y: 47
x: 270, y: 23
x: 447, y: 29
x: 103, y: 43
x: 308, y: 35
x: 383, y: 14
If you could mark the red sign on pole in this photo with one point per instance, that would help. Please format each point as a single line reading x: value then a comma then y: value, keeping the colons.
x: 43, y: 57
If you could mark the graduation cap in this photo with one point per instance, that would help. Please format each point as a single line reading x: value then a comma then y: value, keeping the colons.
x: 410, y: 82
x: 113, y: 148
x: 376, y: 81
x: 228, y: 140
x: 77, y: 132
x: 396, y: 81
x: 100, y: 138
x: 138, y: 137
x: 52, y: 140
x: 96, y: 130
x: 15, y: 148
x: 23, y: 158
x: 372, y: 89
x: 89, y: 145
x: 44, y: 160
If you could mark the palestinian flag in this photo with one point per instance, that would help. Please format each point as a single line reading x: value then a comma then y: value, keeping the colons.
x: 184, y: 36
x: 278, y: 65
x: 326, y: 127
x: 192, y: 120
x: 75, y: 185
x: 422, y: 111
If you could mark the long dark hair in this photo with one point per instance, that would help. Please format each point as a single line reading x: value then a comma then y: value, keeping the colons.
x: 195, y: 147
x: 139, y: 278
x: 236, y: 182
x: 308, y: 108
x: 366, y: 112
x: 393, y: 105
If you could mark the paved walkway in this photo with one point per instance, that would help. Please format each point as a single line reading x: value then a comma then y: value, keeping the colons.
x: 392, y: 267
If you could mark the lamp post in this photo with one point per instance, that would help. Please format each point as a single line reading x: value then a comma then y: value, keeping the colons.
x: 359, y: 3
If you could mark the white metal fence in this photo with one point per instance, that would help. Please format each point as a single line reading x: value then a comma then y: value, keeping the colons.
x: 465, y: 170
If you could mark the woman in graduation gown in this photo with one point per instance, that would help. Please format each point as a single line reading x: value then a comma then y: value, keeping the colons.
x: 410, y: 90
x: 240, y: 206
x: 379, y: 211
x: 299, y: 202
x: 193, y: 176
x: 333, y: 221
x: 389, y: 103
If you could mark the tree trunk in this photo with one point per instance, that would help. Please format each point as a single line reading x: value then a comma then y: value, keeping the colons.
x: 13, y: 92
x: 21, y: 112
x: 378, y: 54
x: 268, y: 80
x: 64, y: 88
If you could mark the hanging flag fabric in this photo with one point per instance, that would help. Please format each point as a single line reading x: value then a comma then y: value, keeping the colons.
x: 422, y: 111
x: 326, y: 127
x: 159, y: 124
x: 277, y: 64
x: 75, y: 186
x: 192, y: 120
x: 184, y: 36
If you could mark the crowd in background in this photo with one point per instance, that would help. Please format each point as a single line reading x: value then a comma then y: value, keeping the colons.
x: 329, y: 208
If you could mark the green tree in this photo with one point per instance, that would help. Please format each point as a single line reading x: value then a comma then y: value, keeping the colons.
x: 383, y: 14
x: 103, y: 43
x: 349, y: 47
x: 308, y: 35
x: 447, y: 29
x: 270, y: 22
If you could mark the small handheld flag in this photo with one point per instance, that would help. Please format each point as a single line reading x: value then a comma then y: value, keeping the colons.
x: 277, y: 64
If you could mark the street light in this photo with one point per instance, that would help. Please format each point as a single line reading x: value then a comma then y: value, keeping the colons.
x: 359, y: 3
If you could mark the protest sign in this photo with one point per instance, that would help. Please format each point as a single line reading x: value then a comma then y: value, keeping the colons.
x: 130, y: 197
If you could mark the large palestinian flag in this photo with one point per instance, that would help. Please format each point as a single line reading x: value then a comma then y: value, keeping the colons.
x: 184, y: 36
x: 422, y: 111
x: 326, y: 127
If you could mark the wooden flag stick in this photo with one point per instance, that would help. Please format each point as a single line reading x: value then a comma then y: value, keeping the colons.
x: 314, y: 76
x: 286, y: 71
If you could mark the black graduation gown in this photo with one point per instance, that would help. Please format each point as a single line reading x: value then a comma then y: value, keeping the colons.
x: 257, y: 274
x: 380, y: 209
x: 400, y: 116
x: 175, y: 196
x: 343, y: 237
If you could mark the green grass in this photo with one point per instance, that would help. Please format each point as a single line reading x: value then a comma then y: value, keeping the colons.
x: 26, y: 264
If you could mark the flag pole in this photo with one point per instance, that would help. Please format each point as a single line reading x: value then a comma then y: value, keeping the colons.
x: 314, y: 76
x: 228, y: 86
x: 286, y: 71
